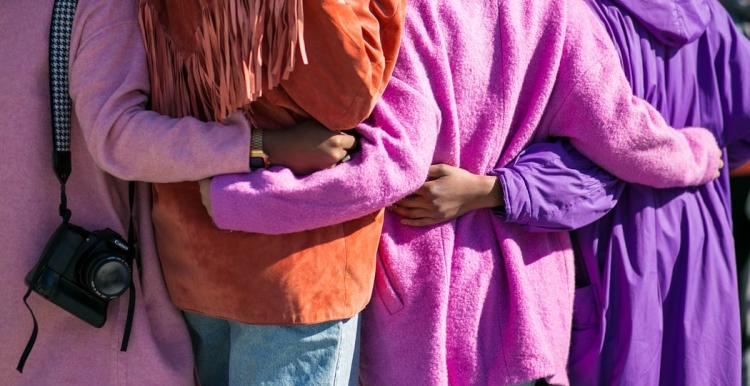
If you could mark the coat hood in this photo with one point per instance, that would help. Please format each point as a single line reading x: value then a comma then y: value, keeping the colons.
x: 673, y: 22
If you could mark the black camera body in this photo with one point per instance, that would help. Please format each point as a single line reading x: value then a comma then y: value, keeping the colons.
x: 81, y: 271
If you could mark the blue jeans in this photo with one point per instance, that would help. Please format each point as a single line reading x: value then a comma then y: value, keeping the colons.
x: 239, y: 354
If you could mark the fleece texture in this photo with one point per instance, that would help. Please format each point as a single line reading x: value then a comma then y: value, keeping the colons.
x: 475, y: 301
x: 113, y: 138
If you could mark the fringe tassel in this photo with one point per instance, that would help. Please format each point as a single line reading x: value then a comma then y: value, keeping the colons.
x: 243, y: 47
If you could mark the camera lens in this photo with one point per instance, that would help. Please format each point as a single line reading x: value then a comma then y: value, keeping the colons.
x: 109, y: 277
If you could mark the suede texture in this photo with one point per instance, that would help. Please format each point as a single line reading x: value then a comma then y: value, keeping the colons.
x: 298, y: 278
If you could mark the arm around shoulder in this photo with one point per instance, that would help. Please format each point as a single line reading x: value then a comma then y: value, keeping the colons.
x: 397, y: 144
x: 553, y: 187
x: 593, y: 105
x: 109, y: 85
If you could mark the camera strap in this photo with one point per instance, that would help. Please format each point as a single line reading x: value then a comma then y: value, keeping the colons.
x: 63, y: 15
x: 133, y: 242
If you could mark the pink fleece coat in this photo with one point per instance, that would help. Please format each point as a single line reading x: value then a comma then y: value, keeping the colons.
x: 475, y: 301
x: 113, y: 138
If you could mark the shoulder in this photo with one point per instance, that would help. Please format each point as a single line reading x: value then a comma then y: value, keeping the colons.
x: 94, y: 17
x: 101, y: 13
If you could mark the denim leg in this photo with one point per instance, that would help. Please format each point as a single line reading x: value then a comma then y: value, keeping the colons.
x: 321, y: 354
x: 347, y: 370
x: 210, y: 338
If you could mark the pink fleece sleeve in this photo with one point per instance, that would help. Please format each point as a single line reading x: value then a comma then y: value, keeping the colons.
x: 594, y: 106
x: 396, y: 152
x: 109, y: 85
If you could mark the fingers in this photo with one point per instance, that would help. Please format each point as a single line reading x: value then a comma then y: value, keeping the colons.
x: 344, y: 141
x: 421, y: 222
x: 205, y: 189
x: 438, y: 170
x: 339, y: 155
x: 428, y: 191
x: 338, y: 146
x: 236, y: 118
x: 415, y: 201
x: 411, y: 213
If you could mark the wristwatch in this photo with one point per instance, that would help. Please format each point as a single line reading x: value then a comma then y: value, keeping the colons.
x: 258, y: 157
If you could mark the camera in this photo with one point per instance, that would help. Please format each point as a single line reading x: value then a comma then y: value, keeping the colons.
x: 81, y: 271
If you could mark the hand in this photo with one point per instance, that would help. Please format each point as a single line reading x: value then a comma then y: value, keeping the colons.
x: 206, y: 194
x: 450, y: 192
x: 307, y: 147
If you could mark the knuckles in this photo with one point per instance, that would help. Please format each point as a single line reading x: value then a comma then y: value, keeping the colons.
x: 335, y: 141
x: 440, y: 168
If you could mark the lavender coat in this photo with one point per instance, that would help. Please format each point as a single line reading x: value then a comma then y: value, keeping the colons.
x: 657, y: 302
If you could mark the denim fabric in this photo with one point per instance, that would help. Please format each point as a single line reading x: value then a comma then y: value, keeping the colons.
x: 233, y: 353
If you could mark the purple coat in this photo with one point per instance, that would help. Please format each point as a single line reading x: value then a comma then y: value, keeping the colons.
x: 657, y: 292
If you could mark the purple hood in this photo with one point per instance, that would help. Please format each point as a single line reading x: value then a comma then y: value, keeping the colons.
x: 673, y: 22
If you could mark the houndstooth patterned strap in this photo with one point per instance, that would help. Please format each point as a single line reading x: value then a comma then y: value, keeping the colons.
x: 63, y: 14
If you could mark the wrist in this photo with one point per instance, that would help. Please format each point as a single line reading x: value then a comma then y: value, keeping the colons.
x: 489, y: 193
x: 271, y: 142
x: 258, y: 156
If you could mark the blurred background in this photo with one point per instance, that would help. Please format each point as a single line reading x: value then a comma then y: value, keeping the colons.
x: 740, y: 185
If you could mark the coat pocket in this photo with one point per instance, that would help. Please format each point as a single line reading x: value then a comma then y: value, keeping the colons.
x: 584, y: 361
x: 386, y: 291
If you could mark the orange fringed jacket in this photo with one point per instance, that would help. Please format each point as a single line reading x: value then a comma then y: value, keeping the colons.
x: 281, y: 62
